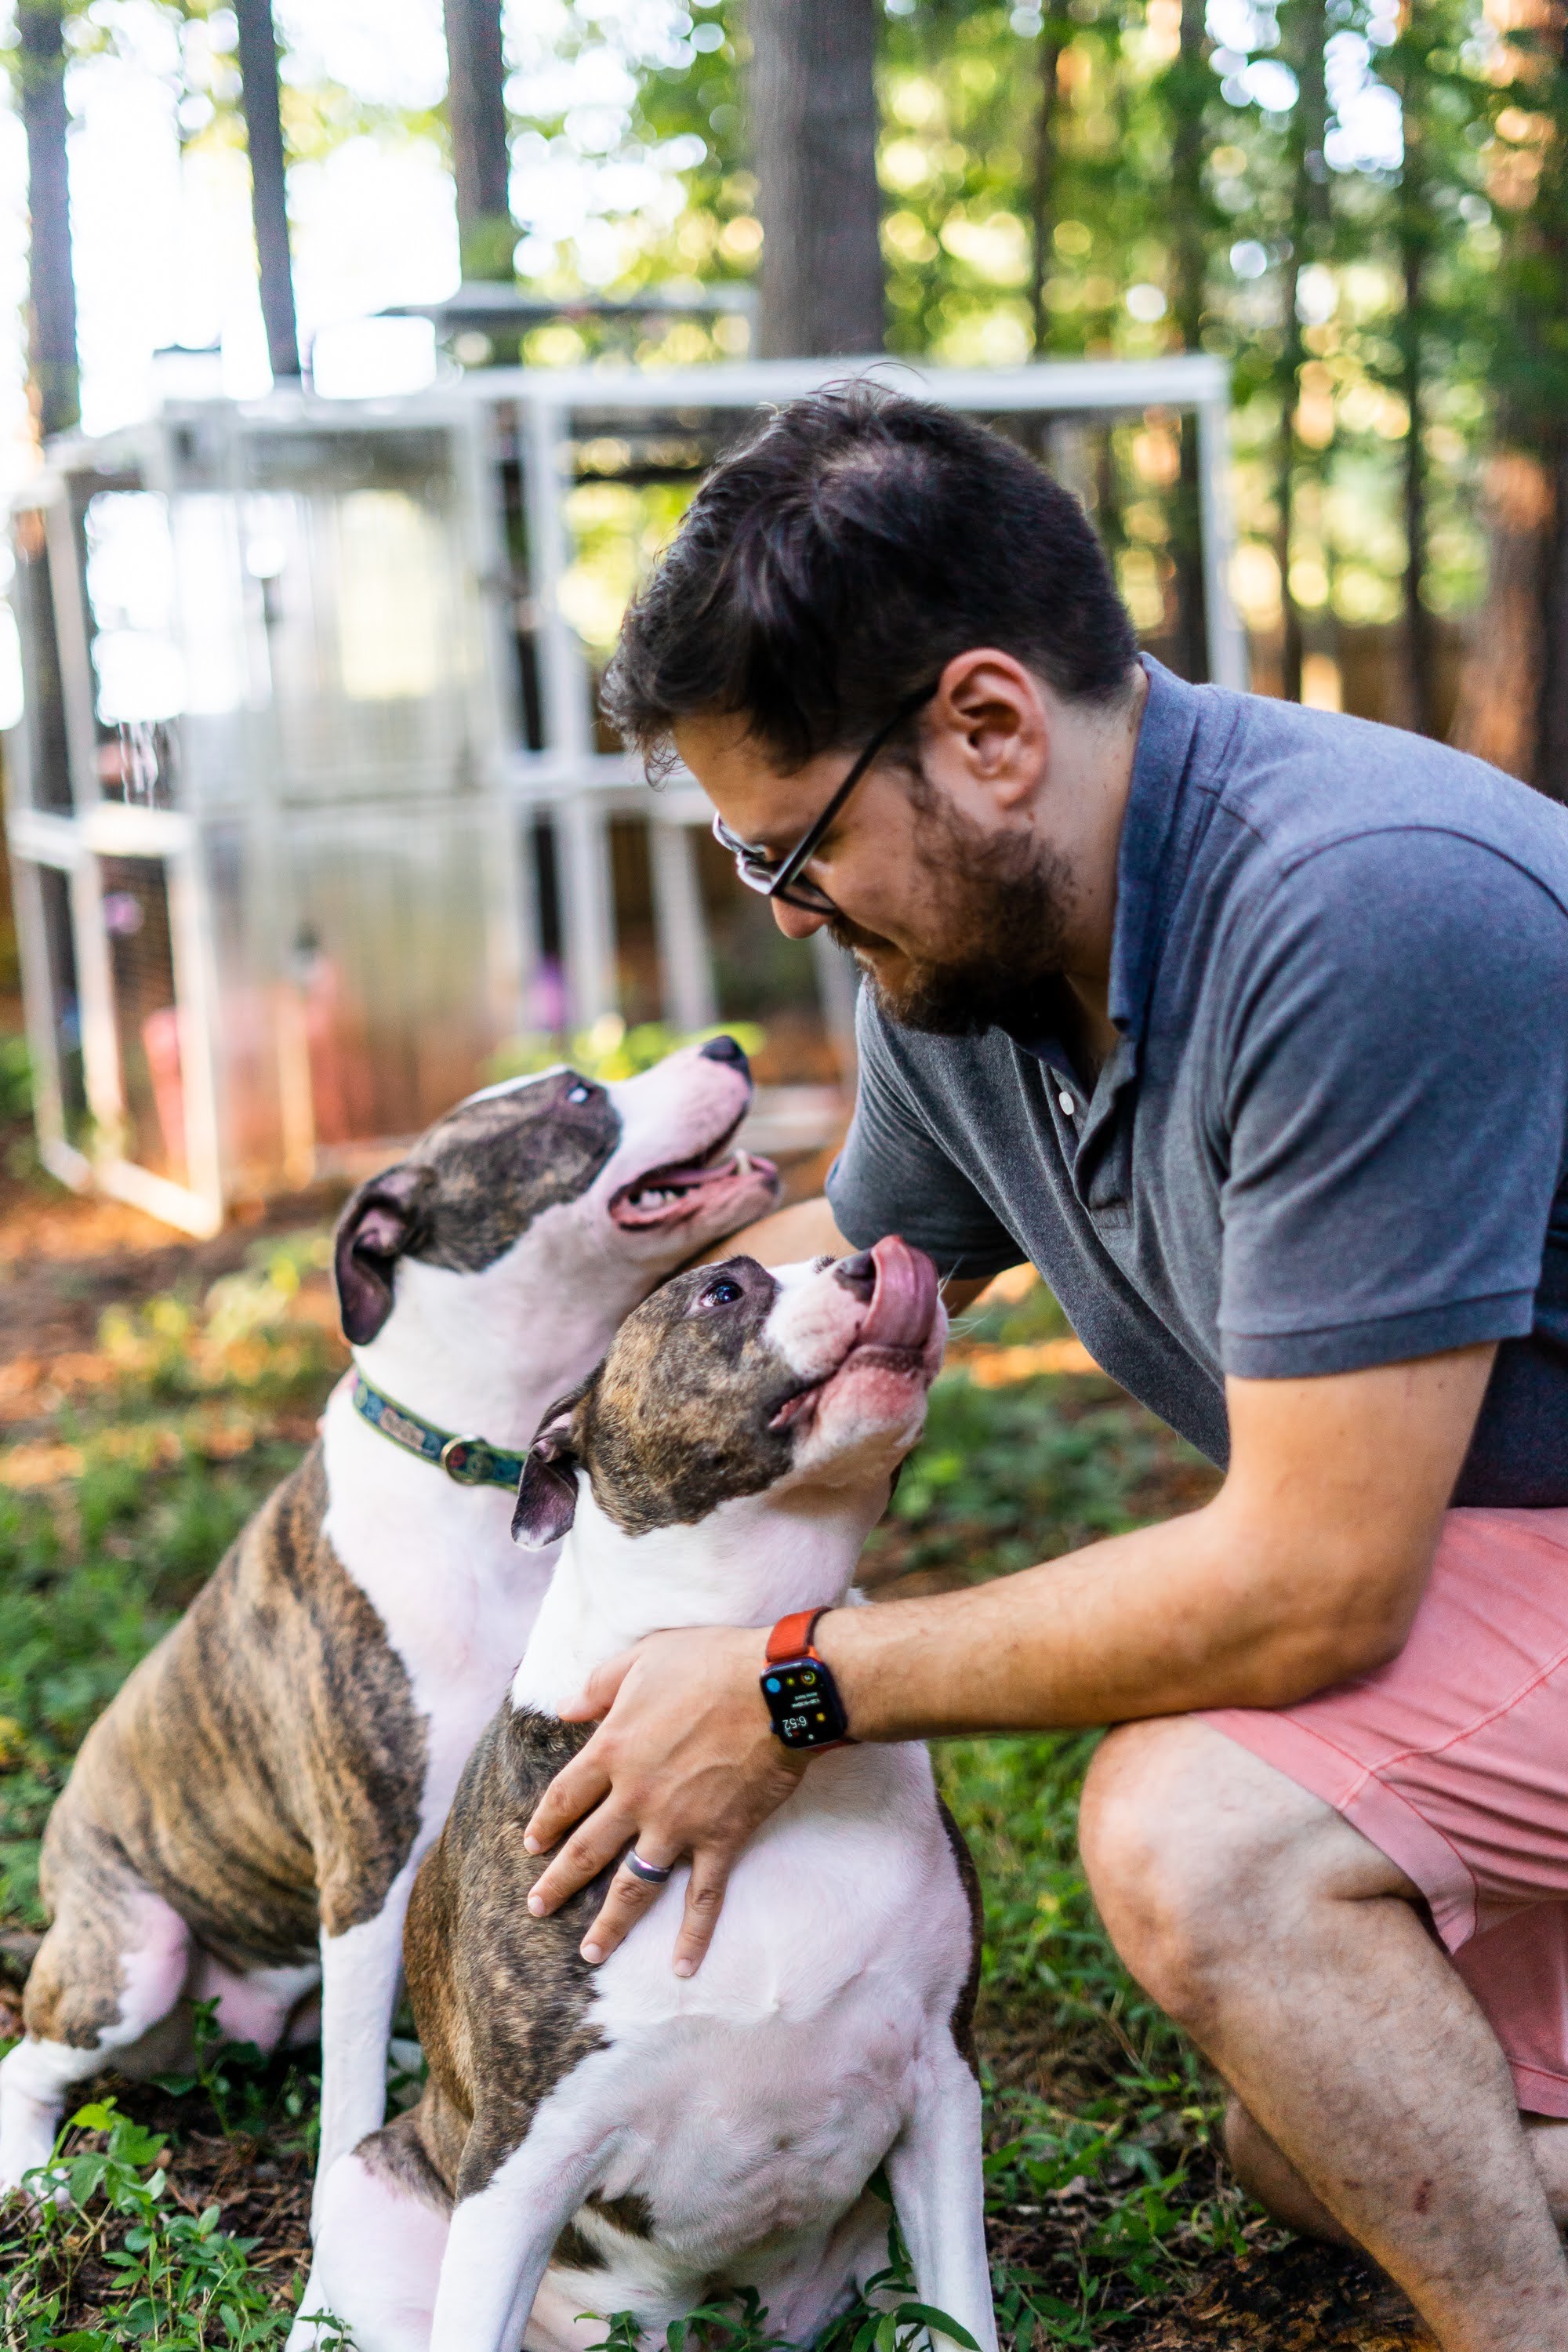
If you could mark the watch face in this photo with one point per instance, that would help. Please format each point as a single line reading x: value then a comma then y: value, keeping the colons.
x: 804, y: 1705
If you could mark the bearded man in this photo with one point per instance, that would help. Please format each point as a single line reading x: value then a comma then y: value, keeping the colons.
x: 1249, y: 1025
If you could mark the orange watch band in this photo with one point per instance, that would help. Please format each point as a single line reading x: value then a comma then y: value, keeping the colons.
x: 791, y: 1637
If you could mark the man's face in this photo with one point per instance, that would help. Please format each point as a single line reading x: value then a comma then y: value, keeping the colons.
x: 951, y: 903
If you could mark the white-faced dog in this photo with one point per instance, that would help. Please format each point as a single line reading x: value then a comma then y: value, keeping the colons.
x: 598, y: 2140
x: 246, y: 1819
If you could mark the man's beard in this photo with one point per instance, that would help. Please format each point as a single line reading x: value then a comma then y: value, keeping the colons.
x: 1006, y: 902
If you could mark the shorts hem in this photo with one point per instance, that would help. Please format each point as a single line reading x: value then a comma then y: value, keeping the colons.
x: 1538, y: 2092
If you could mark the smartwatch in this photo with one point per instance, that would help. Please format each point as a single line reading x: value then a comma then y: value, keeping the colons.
x: 801, y: 1696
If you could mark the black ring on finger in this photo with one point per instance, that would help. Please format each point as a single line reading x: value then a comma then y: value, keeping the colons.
x: 652, y: 1874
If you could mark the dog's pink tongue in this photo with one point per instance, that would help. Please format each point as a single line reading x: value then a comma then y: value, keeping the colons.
x: 903, y: 1304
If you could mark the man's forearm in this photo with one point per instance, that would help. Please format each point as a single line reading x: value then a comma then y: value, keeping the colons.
x: 1306, y: 1567
x: 1161, y: 1622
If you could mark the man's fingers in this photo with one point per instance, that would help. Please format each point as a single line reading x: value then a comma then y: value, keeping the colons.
x: 599, y: 1690
x: 623, y: 1906
x: 587, y: 1851
x: 576, y: 1789
x: 704, y: 1901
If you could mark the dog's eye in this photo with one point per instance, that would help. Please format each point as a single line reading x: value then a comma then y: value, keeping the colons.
x: 723, y: 1293
x: 579, y: 1093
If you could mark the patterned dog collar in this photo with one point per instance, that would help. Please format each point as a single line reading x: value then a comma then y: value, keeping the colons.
x: 470, y: 1461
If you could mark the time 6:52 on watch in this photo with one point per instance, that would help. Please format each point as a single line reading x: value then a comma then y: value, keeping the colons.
x: 802, y: 1698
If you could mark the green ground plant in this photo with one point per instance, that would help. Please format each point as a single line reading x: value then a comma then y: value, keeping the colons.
x: 1101, y: 2180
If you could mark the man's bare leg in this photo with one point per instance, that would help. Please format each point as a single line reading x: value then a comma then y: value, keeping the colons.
x: 1274, y: 2181
x: 1279, y: 2188
x: 1290, y: 1949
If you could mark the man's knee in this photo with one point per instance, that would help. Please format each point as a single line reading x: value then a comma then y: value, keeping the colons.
x: 1190, y: 1845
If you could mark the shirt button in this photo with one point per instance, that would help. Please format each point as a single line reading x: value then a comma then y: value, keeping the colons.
x: 1066, y: 1102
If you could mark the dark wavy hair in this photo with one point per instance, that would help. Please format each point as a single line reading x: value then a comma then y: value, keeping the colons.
x: 832, y: 566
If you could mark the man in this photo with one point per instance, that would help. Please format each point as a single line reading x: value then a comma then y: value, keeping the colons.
x: 1250, y: 1026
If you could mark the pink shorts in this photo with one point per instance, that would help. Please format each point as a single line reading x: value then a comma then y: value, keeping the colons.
x: 1453, y: 1761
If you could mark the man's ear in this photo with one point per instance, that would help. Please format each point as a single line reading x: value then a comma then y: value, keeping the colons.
x: 547, y: 1492
x: 381, y: 1223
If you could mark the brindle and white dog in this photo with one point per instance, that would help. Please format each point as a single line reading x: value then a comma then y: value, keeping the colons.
x: 245, y: 1820
x: 594, y: 2140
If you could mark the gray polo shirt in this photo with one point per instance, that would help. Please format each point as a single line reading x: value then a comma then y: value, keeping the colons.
x: 1332, y: 1133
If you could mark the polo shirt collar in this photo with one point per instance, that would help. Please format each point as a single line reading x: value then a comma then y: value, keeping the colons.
x: 1144, y: 875
x: 1151, y: 831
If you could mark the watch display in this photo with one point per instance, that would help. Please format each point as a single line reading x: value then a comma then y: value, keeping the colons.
x: 801, y: 1696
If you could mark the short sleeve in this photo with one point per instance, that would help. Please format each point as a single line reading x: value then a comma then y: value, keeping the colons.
x: 893, y: 1176
x: 1394, y: 1073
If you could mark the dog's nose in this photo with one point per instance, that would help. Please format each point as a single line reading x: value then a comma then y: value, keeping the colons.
x: 725, y: 1049
x: 857, y: 1273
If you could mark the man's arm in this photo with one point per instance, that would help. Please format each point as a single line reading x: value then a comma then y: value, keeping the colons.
x: 1305, y: 1569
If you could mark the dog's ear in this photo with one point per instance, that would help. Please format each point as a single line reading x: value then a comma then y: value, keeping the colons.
x: 381, y: 1223
x: 547, y: 1492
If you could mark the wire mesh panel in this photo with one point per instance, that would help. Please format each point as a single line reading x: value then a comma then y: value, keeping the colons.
x: 127, y: 556
x: 370, y: 637
x: 135, y: 901
x: 52, y: 888
x: 44, y: 710
x: 387, y: 991
x: 265, y: 1129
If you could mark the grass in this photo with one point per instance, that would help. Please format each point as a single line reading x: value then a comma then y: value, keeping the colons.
x: 184, y: 2222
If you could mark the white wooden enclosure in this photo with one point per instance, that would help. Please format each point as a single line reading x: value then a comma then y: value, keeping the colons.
x: 309, y: 806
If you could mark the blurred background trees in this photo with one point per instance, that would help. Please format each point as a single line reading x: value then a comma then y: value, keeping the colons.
x: 1362, y: 203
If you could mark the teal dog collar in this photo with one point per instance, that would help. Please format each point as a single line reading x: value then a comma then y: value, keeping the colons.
x: 470, y: 1461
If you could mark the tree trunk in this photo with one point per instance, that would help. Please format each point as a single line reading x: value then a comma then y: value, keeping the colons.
x: 1513, y: 689
x: 1416, y: 222
x: 1187, y: 90
x: 1550, y: 766
x: 1307, y: 32
x: 482, y: 163
x: 268, y: 189
x: 814, y: 138
x: 1042, y: 193
x: 1420, y: 636
x: 51, y: 293
x: 1500, y: 683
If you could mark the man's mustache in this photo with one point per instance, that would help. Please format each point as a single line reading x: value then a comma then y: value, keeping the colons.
x: 852, y: 940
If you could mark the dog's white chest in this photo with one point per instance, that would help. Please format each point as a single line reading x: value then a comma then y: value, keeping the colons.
x: 436, y: 1562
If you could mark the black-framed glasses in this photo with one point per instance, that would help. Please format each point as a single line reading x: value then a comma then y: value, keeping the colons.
x: 780, y: 877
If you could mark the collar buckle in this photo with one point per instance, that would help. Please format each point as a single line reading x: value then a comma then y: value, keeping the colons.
x: 468, y: 1461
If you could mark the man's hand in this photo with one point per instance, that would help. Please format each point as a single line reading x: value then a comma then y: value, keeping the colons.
x: 684, y: 1762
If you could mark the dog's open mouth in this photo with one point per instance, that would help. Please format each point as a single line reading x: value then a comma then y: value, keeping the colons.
x: 671, y: 1194
x: 899, y: 1336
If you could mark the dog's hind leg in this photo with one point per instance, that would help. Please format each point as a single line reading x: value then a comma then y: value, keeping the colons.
x: 383, y: 2217
x: 109, y: 1971
x: 360, y: 1972
x: 934, y: 2172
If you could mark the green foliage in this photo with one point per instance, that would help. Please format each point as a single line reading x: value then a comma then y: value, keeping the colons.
x: 180, y: 2281
x: 16, y: 1079
x: 176, y: 1451
x: 227, y: 2071
x: 610, y: 1050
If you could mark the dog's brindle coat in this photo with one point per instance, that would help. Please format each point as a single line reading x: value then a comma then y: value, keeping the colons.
x: 250, y: 1806
x: 722, y: 1476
